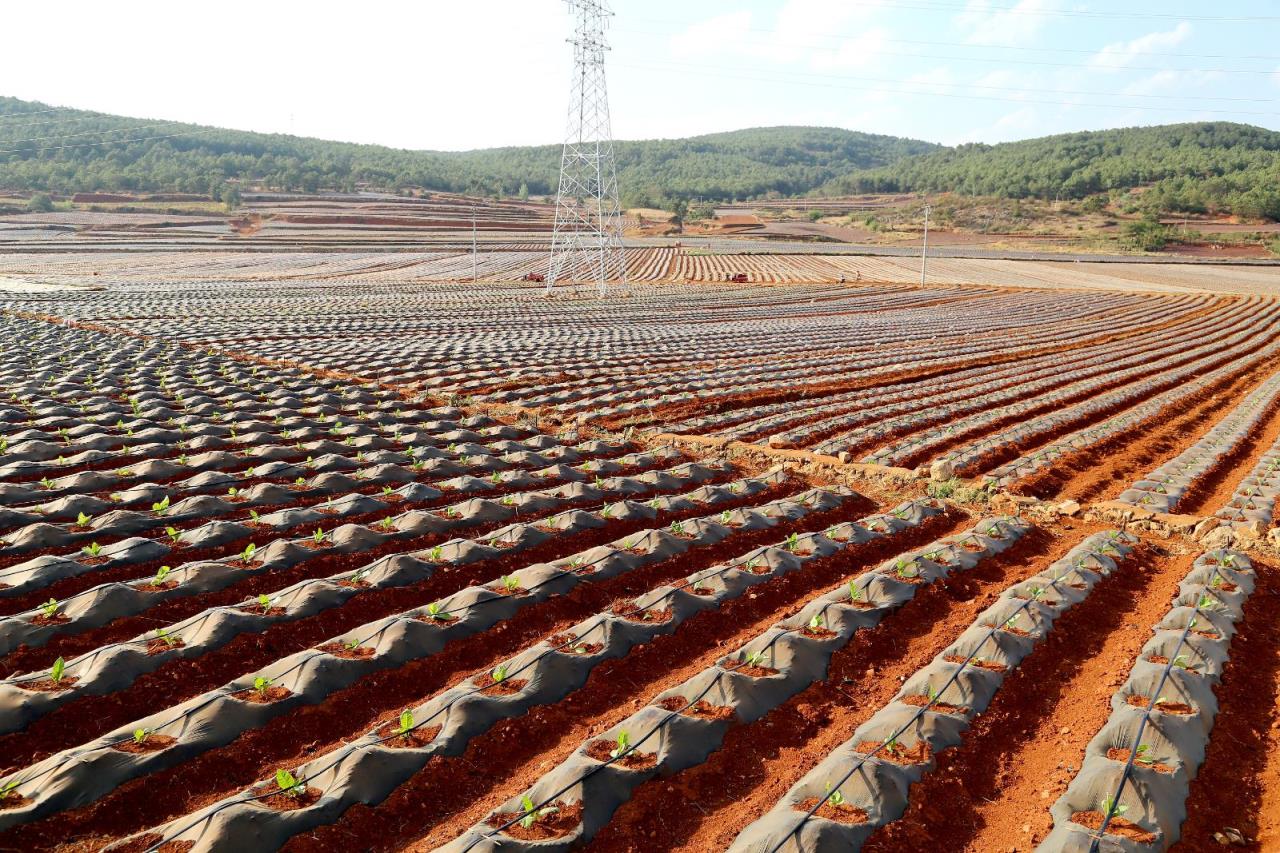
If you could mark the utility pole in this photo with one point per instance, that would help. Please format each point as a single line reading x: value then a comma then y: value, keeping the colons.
x: 587, y: 242
x: 473, y: 243
x: 924, y: 250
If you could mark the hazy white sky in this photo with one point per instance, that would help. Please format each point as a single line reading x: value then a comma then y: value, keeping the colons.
x: 452, y: 75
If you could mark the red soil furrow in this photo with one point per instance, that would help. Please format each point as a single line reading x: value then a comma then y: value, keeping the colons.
x: 309, y: 730
x: 451, y: 794
x: 1214, y: 491
x: 1106, y: 469
x: 1239, y: 783
x: 994, y: 791
x: 181, y: 554
x: 704, y: 808
x: 181, y: 679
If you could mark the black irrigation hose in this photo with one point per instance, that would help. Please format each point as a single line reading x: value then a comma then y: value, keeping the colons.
x: 1112, y: 810
x: 477, y: 689
x: 208, y: 613
x: 911, y: 721
x: 216, y: 694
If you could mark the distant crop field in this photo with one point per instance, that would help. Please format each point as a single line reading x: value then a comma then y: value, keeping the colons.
x: 338, y: 549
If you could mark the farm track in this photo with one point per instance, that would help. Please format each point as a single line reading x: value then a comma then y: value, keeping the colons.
x: 348, y: 713
x: 705, y: 808
x: 988, y: 794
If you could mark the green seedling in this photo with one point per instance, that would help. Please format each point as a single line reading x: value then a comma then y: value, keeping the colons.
x: 50, y: 608
x: 174, y: 534
x: 624, y: 745
x: 892, y: 746
x: 1181, y: 662
x: 59, y: 671
x: 168, y: 639
x: 253, y: 516
x: 288, y: 784
x: 855, y: 594
x: 351, y: 645
x: 510, y: 583
x: 46, y: 482
x: 755, y: 658
x: 677, y: 528
x: 607, y: 512
x: 1110, y: 808
x: 817, y: 623
x: 436, y: 612
x: 319, y: 536
x: 232, y: 492
x: 9, y: 789
x: 246, y: 555
x: 436, y: 553
x: 301, y: 481
x: 161, y: 507
x: 532, y: 814
x: 140, y: 736
x: 386, y: 523
x: 499, y: 673
x: 834, y: 797
x: 406, y: 723
x: 161, y: 574
x: 261, y: 683
x: 93, y: 549
x: 1143, y: 755
x: 793, y: 542
x: 264, y: 601
x: 83, y: 519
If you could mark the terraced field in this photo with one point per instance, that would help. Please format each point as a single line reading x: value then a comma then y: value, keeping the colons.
x: 307, y: 553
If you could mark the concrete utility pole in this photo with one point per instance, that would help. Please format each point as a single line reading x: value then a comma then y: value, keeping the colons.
x: 924, y: 250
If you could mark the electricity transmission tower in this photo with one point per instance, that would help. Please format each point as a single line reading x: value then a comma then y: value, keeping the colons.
x: 587, y: 243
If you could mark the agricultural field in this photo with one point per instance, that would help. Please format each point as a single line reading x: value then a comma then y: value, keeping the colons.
x: 314, y: 550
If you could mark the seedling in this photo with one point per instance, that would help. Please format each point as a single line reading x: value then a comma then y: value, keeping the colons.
x: 677, y: 528
x: 793, y: 542
x: 83, y: 519
x: 351, y: 645
x: 386, y: 523
x: 9, y: 789
x: 1110, y: 808
x: 93, y: 549
x: 140, y: 736
x: 232, y: 492
x: 161, y: 507
x: 855, y: 594
x: 174, y: 534
x: 892, y: 746
x: 1143, y: 755
x: 50, y: 608
x: 264, y: 601
x: 59, y: 670
x: 499, y: 673
x: 532, y: 814
x: 319, y: 536
x: 288, y: 784
x: 607, y: 512
x: 406, y: 723
x: 46, y: 482
x: 436, y: 553
x: 834, y: 797
x: 510, y: 583
x: 817, y: 623
x: 301, y: 481
x: 755, y: 658
x: 247, y: 554
x: 253, y: 516
x: 261, y: 683
x: 905, y: 569
x: 167, y: 638
x: 624, y: 745
x: 1181, y: 662
x: 161, y: 574
x: 436, y: 612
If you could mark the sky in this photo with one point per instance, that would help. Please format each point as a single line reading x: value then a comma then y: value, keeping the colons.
x: 459, y: 75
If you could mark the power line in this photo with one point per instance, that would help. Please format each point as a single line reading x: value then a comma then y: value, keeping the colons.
x: 110, y: 142
x: 764, y: 45
x: 913, y: 82
x: 712, y: 72
x: 935, y: 6
x: 986, y: 46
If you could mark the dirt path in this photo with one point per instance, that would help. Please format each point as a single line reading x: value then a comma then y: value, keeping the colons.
x: 1105, y: 470
x: 452, y: 794
x: 994, y: 792
x: 706, y: 807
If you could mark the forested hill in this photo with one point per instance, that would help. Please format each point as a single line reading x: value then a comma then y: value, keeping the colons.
x: 57, y: 150
x: 1182, y: 167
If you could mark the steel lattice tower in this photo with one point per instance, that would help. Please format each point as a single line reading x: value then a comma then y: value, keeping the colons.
x: 587, y: 243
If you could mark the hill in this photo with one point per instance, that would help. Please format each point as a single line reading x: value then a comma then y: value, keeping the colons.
x: 77, y: 150
x: 1195, y: 168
